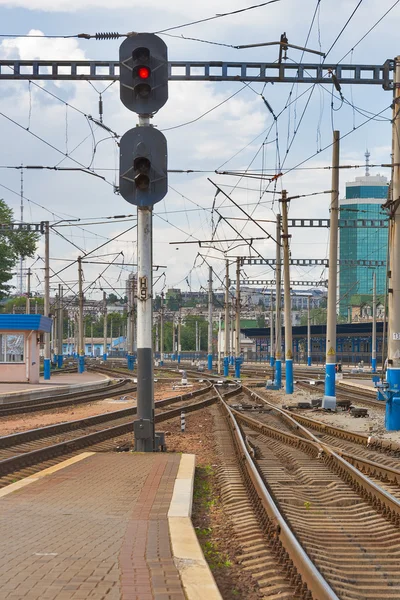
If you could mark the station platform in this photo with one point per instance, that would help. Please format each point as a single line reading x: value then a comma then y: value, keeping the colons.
x: 63, y: 382
x: 366, y: 384
x: 104, y: 526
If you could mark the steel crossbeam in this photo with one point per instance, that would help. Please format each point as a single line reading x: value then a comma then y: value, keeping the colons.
x: 272, y: 282
x: 106, y: 70
x: 312, y: 262
x: 38, y: 227
x: 378, y: 223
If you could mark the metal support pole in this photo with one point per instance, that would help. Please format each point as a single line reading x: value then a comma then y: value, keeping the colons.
x: 46, y: 307
x: 178, y: 350
x: 105, y: 326
x: 144, y: 425
x: 28, y: 292
x: 373, y: 357
x: 272, y: 336
x: 81, y: 343
x: 92, y: 341
x: 226, y: 332
x: 287, y: 299
x: 329, y: 400
x: 232, y: 359
x: 278, y: 323
x: 54, y: 329
x: 111, y: 336
x: 162, y: 330
x: 210, y: 319
x: 197, y: 337
x: 392, y: 418
x: 219, y: 343
x: 60, y: 332
x: 237, y: 326
x: 309, y: 359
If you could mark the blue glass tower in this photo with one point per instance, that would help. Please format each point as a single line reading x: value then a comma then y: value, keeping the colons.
x: 363, y: 201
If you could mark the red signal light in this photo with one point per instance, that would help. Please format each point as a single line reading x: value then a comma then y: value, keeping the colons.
x: 143, y: 72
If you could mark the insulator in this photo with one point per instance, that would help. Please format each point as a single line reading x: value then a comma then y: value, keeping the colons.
x: 107, y: 35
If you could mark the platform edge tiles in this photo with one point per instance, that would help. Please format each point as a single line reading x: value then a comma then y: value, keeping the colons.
x: 13, y: 487
x: 197, y: 580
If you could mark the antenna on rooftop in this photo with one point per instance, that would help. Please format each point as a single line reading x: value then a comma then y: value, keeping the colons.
x: 367, y: 155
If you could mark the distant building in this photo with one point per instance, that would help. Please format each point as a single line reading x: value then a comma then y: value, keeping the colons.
x: 363, y: 201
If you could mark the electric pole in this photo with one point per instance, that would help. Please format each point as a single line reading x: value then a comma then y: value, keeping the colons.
x: 271, y: 332
x: 162, y: 330
x: 46, y: 307
x: 179, y: 336
x: 219, y: 343
x: 237, y: 341
x: 373, y: 361
x: 81, y: 342
x: 105, y: 326
x: 287, y: 299
x: 309, y: 359
x: 60, y: 357
x: 226, y: 336
x: 329, y: 400
x: 392, y: 417
x: 278, y: 307
x: 210, y: 319
x: 54, y: 330
x: 28, y: 292
x: 91, y: 333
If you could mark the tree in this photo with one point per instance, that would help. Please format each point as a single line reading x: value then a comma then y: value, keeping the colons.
x: 261, y: 321
x: 113, y: 298
x: 13, y: 244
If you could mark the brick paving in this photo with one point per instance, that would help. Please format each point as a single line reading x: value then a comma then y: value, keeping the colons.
x: 96, y: 530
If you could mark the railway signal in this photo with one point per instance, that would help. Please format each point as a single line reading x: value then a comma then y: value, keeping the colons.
x: 143, y: 75
x: 143, y: 166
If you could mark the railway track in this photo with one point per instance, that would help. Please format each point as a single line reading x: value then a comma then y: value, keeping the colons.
x: 334, y: 530
x: 376, y: 457
x: 24, y: 453
x: 365, y: 397
x: 51, y: 403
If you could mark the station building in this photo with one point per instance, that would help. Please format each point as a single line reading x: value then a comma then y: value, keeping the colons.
x: 363, y: 201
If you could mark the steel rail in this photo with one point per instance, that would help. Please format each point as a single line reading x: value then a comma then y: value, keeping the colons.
x: 310, y: 575
x: 369, y: 490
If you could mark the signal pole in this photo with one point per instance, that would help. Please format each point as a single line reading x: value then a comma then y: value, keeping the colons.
x: 237, y: 341
x: 105, y: 326
x: 81, y: 343
x: 373, y: 361
x: 162, y: 330
x: 287, y: 299
x: 329, y: 400
x: 392, y: 417
x: 278, y: 307
x: 46, y: 307
x: 210, y: 320
x: 226, y: 336
x: 309, y: 359
x: 60, y: 357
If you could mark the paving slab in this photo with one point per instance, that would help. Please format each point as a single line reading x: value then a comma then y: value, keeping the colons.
x: 62, y: 383
x: 97, y: 529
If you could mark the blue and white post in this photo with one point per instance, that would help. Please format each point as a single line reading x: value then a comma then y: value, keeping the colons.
x: 287, y: 298
x: 162, y: 330
x: 278, y: 307
x: 309, y: 361
x: 81, y: 343
x: 226, y: 324
x: 47, y: 361
x: 210, y: 320
x: 329, y: 399
x: 130, y: 332
x: 238, y: 361
x: 392, y: 417
x: 271, y: 332
x: 105, y: 326
x: 60, y: 328
x: 179, y: 336
x: 373, y: 349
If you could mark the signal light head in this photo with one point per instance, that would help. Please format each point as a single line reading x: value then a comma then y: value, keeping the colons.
x: 143, y: 72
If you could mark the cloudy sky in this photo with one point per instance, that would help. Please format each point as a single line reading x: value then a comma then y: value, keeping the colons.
x: 46, y: 123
